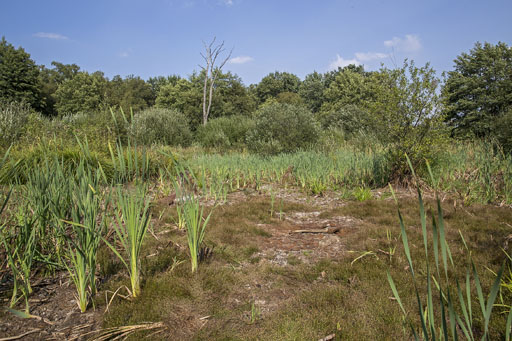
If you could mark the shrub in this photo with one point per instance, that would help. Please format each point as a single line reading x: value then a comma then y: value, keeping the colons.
x: 161, y: 126
x: 225, y: 132
x: 282, y: 128
x: 13, y: 118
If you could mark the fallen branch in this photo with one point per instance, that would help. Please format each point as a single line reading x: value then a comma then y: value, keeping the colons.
x: 328, y: 229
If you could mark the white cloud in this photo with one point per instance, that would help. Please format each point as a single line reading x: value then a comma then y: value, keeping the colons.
x: 241, y: 60
x: 228, y: 2
x: 47, y: 35
x: 124, y: 54
x: 341, y: 62
x: 411, y: 43
x: 368, y: 56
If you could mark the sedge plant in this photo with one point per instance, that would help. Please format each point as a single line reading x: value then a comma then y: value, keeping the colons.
x: 132, y: 221
x: 454, y: 302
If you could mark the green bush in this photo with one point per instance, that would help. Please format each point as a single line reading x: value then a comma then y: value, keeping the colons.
x: 281, y: 128
x: 161, y: 126
x: 225, y: 132
x: 13, y: 118
x: 351, y: 119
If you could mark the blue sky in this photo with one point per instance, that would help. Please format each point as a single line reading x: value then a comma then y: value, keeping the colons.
x: 162, y: 37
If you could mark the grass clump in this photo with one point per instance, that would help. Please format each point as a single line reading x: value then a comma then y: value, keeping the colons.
x: 455, y: 301
x: 132, y: 222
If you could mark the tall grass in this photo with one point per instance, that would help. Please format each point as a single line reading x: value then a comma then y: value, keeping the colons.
x: 20, y: 246
x: 132, y: 222
x: 87, y: 228
x: 308, y: 170
x: 454, y: 302
x: 195, y: 224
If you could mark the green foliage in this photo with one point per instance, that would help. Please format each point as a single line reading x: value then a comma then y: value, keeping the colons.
x: 312, y: 89
x: 186, y: 95
x: 50, y: 79
x: 13, y: 118
x: 225, y: 132
x: 349, y: 86
x: 131, y: 93
x: 156, y: 83
x: 18, y: 76
x: 282, y: 128
x: 362, y: 193
x: 351, y: 119
x: 407, y: 117
x: 84, y: 93
x: 479, y: 90
x: 275, y: 83
x: 163, y: 126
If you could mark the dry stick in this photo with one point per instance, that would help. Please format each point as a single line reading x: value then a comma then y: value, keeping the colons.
x: 329, y: 230
x: 17, y: 337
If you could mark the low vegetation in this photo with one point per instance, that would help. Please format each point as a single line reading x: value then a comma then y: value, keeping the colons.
x: 350, y: 205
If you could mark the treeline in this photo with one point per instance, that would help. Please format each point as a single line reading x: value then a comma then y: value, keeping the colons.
x: 408, y: 108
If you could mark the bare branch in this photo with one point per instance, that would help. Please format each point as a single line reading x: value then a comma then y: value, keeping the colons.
x: 212, y: 52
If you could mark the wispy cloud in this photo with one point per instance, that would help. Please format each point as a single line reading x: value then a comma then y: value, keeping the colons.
x: 124, y: 54
x: 342, y: 62
x: 369, y: 56
x: 47, y: 35
x: 241, y: 60
x: 228, y: 2
x: 411, y: 43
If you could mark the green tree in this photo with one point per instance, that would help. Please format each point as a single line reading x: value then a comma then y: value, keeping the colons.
x: 83, y: 93
x: 479, y: 90
x: 19, y: 76
x: 282, y: 128
x: 349, y: 86
x: 312, y: 91
x: 407, y: 117
x: 156, y: 83
x: 231, y: 97
x: 50, y: 79
x: 184, y: 96
x: 275, y: 83
x: 130, y: 93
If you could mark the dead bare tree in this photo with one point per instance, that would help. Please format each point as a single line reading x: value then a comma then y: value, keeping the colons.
x: 212, y: 52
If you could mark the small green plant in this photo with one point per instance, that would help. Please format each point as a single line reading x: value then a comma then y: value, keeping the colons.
x: 362, y: 193
x: 132, y: 222
x: 391, y: 248
x: 255, y: 313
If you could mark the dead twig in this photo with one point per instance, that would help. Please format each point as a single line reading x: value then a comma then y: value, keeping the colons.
x: 17, y: 337
x: 328, y: 229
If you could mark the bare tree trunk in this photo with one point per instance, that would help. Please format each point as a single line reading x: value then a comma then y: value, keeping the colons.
x: 211, y: 73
